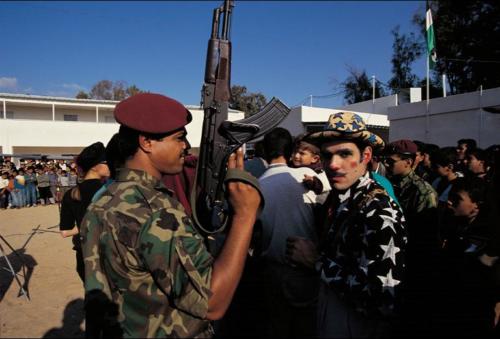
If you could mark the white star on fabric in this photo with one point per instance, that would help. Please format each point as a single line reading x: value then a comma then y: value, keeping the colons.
x: 371, y: 213
x: 364, y: 180
x: 351, y: 280
x: 345, y: 196
x: 394, y: 212
x: 390, y: 251
x: 364, y: 262
x: 388, y: 222
x: 332, y: 264
x: 388, y: 282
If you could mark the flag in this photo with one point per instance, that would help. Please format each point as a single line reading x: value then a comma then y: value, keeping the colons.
x: 431, y: 42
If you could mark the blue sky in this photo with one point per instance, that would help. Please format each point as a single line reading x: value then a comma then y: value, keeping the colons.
x: 287, y: 49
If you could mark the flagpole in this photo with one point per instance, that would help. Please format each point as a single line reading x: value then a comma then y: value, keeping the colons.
x: 427, y: 83
x: 427, y: 102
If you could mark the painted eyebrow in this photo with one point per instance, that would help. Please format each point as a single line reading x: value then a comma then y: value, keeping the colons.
x: 339, y: 151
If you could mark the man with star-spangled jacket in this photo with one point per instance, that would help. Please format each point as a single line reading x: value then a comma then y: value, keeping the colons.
x: 361, y: 260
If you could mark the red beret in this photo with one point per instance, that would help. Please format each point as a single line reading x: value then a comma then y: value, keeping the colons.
x: 152, y: 113
x: 402, y: 147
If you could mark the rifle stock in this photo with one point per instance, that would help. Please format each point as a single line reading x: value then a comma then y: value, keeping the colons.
x: 221, y: 137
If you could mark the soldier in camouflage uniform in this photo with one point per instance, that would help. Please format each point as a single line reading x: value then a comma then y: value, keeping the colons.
x: 419, y: 202
x: 147, y: 270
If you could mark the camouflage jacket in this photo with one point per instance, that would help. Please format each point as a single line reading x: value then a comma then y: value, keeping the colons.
x: 414, y: 194
x: 147, y: 270
x: 419, y: 203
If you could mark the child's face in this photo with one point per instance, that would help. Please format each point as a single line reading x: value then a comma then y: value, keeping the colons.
x: 462, y: 205
x: 304, y: 157
x: 442, y: 171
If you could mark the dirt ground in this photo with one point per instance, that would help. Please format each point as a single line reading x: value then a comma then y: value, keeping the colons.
x: 55, y: 305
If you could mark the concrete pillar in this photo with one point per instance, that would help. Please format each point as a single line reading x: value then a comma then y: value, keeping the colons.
x: 4, y: 110
x: 53, y: 112
x: 97, y: 114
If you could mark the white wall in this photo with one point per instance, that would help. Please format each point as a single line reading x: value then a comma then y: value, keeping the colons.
x: 64, y: 134
x: 378, y: 106
x: 449, y: 119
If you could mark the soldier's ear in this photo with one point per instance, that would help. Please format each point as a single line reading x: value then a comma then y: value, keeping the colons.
x: 144, y: 143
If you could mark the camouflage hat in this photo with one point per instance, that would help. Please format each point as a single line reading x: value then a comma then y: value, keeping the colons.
x: 347, y: 125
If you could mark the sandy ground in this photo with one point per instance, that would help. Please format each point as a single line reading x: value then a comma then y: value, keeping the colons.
x: 55, y: 307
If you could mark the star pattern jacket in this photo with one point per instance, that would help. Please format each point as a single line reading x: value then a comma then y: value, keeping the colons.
x: 147, y: 270
x: 362, y: 257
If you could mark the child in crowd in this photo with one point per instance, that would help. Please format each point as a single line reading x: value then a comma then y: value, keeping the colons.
x: 306, y: 154
x: 469, y: 282
x: 30, y: 187
x: 44, y: 186
x: 18, y: 194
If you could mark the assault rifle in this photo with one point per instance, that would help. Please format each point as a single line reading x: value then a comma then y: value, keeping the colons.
x: 221, y: 137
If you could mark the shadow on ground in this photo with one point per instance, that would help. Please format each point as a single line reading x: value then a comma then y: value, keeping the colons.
x: 72, y: 319
x: 23, y: 265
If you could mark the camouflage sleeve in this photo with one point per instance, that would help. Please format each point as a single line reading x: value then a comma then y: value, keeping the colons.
x: 177, y: 258
x: 426, y: 197
x: 90, y: 233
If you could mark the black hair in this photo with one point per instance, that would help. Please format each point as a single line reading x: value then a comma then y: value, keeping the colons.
x: 127, y: 142
x: 278, y: 143
x: 471, y: 143
x: 113, y: 157
x: 479, y: 154
x: 475, y: 187
x: 420, y: 145
x: 429, y: 148
x: 444, y: 157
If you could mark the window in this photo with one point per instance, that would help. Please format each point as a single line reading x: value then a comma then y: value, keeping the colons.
x: 9, y: 115
x: 70, y: 117
x: 109, y: 118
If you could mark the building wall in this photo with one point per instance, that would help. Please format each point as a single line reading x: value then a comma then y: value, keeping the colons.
x: 30, y: 112
x: 448, y: 119
x: 377, y: 106
x: 32, y: 129
x: 61, y: 150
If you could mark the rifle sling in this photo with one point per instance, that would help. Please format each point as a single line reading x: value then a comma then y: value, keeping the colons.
x: 235, y: 174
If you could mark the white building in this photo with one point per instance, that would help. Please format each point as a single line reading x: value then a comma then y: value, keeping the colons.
x: 53, y: 126
x: 305, y: 119
x: 32, y: 124
x: 474, y: 115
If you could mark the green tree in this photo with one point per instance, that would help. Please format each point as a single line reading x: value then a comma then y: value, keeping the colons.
x: 109, y: 90
x: 467, y: 42
x: 250, y: 103
x: 103, y: 90
x: 82, y: 95
x: 119, y: 90
x: 406, y: 49
x: 133, y: 90
x: 358, y: 87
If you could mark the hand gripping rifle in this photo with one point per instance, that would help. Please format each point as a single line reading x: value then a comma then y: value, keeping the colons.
x: 221, y: 137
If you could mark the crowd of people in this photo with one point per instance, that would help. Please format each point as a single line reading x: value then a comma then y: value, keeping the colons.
x: 39, y: 182
x: 445, y: 274
x: 341, y: 235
